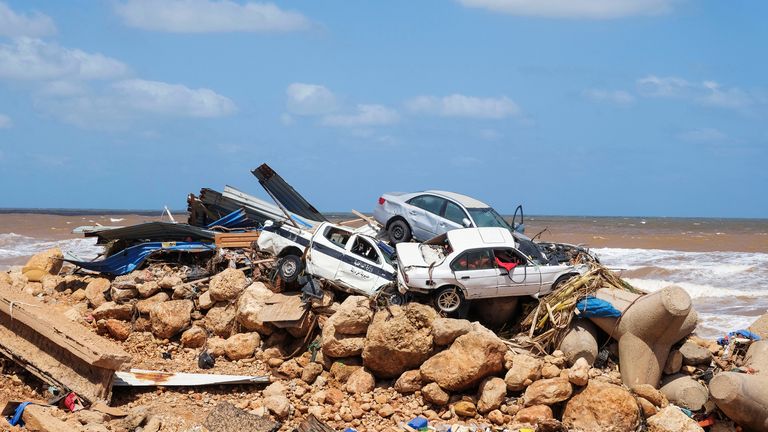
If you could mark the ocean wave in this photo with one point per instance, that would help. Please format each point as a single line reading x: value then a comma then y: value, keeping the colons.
x: 15, y: 246
x: 695, y: 290
x: 716, y: 325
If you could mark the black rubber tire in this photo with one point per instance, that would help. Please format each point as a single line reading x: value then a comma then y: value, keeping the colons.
x: 563, y: 279
x: 449, y: 300
x: 289, y: 268
x: 399, y: 231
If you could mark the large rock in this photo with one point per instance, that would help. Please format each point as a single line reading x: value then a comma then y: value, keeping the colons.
x: 533, y: 414
x: 250, y: 303
x: 44, y: 263
x: 148, y: 289
x: 491, y: 394
x: 671, y: 419
x: 242, y: 346
x: 695, y: 355
x: 446, y: 330
x: 227, y: 285
x: 353, y: 316
x: 194, y: 337
x: 112, y: 310
x: 548, y: 391
x: 400, y: 341
x: 523, y: 371
x: 409, y: 382
x: 602, y: 407
x: 684, y: 391
x: 432, y: 393
x: 144, y: 306
x: 338, y: 345
x: 760, y: 327
x: 470, y: 358
x: 361, y: 381
x: 170, y: 318
x: 95, y: 290
x: 221, y: 319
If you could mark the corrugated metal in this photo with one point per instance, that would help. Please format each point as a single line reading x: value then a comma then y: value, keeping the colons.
x: 285, y: 194
x: 154, y: 231
x: 144, y: 378
x: 129, y: 259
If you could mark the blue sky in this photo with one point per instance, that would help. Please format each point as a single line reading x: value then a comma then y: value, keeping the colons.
x: 571, y: 107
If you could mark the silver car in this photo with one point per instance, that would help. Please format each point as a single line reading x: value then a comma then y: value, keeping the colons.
x: 424, y: 215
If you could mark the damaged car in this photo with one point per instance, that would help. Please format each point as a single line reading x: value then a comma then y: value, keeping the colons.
x: 477, y: 263
x: 349, y: 259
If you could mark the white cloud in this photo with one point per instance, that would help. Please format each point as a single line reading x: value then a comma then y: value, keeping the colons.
x: 34, y: 59
x: 706, y: 93
x: 617, y: 97
x: 173, y: 99
x: 703, y: 135
x: 655, y: 86
x: 310, y: 99
x: 716, y: 96
x: 5, y: 121
x: 364, y: 115
x: 208, y: 16
x: 15, y: 24
x: 490, y: 134
x: 591, y: 9
x: 457, y: 105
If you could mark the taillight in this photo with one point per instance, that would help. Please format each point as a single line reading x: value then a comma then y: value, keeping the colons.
x: 382, y: 200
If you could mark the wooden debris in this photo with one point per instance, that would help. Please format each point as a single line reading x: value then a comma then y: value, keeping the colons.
x: 312, y: 424
x: 242, y: 240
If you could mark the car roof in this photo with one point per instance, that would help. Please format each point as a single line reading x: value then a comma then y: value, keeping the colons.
x: 464, y: 200
x: 474, y: 237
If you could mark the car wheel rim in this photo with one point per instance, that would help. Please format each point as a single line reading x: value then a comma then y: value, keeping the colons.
x: 397, y: 233
x: 448, y: 301
x: 289, y: 268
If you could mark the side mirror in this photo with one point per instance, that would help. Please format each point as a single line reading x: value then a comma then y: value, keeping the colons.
x: 466, y: 222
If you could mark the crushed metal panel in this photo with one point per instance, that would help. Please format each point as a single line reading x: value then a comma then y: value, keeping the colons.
x: 153, y: 231
x: 149, y: 378
x: 269, y: 211
x: 283, y: 308
x: 285, y: 194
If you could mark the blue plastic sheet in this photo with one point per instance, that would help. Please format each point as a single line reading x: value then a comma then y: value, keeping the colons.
x: 129, y: 259
x: 592, y: 307
x: 236, y: 219
x: 15, y: 419
x: 738, y: 333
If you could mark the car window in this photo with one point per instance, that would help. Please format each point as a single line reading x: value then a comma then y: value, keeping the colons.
x: 454, y: 213
x: 429, y: 203
x: 487, y: 217
x: 479, y: 259
x: 363, y: 248
x: 508, y: 258
x: 337, y: 236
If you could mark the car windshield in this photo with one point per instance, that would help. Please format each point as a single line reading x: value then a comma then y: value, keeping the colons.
x: 487, y: 217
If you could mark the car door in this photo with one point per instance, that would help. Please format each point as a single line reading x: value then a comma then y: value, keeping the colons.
x: 360, y: 265
x: 452, y: 217
x: 522, y: 279
x: 475, y: 271
x: 424, y: 213
x: 327, y: 250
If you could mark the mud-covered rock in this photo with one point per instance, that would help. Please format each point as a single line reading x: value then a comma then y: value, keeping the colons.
x: 602, y: 407
x: 446, y: 330
x: 353, y: 316
x: 523, y: 371
x: 227, y: 285
x: 470, y: 358
x: 171, y: 317
x: 221, y: 319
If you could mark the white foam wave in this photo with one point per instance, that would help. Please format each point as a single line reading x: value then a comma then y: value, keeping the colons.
x: 714, y: 325
x: 14, y: 246
x: 693, y: 289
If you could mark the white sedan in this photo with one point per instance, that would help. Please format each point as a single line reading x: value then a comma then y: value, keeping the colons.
x: 475, y: 263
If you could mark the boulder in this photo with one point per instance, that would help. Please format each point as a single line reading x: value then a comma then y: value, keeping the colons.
x: 695, y: 355
x: 470, y: 358
x: 602, y: 407
x: 48, y: 262
x: 338, y: 345
x: 409, y: 382
x: 112, y: 310
x: 446, y: 330
x: 432, y: 393
x: 144, y: 306
x: 649, y: 393
x: 169, y: 282
x: 491, y: 394
x: 95, y: 290
x: 227, y: 285
x: 684, y: 391
x: 548, y: 391
x: 147, y: 289
x: 534, y: 414
x: 194, y: 337
x: 310, y: 372
x: 523, y: 371
x: 353, y: 316
x: 400, y: 341
x: 242, y: 346
x: 171, y: 317
x: 361, y: 381
x: 221, y: 319
x: 250, y: 303
x: 578, y: 374
x: 671, y: 419
x: 119, y: 330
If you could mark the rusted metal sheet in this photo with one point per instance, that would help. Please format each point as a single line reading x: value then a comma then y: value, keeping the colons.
x: 149, y: 378
x: 285, y: 194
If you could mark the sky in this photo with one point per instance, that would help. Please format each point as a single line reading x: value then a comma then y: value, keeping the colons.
x: 569, y: 107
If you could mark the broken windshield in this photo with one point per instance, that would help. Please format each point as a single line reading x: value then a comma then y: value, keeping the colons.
x: 487, y: 217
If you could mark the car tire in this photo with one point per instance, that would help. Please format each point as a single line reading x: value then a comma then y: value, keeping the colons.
x: 399, y: 231
x: 289, y: 268
x: 449, y: 300
x: 563, y: 279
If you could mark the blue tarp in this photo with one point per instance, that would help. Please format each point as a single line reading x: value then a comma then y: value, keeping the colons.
x: 236, y: 219
x: 592, y: 307
x: 738, y: 333
x: 130, y: 259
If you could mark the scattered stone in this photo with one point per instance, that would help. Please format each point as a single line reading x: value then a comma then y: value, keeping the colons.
x: 278, y: 405
x: 241, y: 346
x: 95, y: 290
x: 602, y: 407
x: 361, y: 381
x: 491, y: 394
x: 341, y: 371
x: 386, y: 410
x: 338, y: 345
x: 695, y: 355
x: 432, y: 393
x: 578, y: 374
x: 534, y: 414
x: 194, y: 337
x: 122, y: 295
x: 48, y: 262
x: 216, y: 346
x: 470, y: 358
x: 169, y: 282
x: 171, y: 317
x: 446, y: 330
x: 548, y: 391
x: 400, y: 341
x: 184, y: 292
x: 34, y: 288
x: 53, y: 283
x: 148, y: 289
x: 225, y: 417
x: 290, y: 369
x: 204, y: 302
x: 227, y: 285
x: 550, y: 371
x: 353, y: 316
x: 409, y: 382
x: 145, y: 306
x: 674, y: 362
x: 650, y: 393
x: 646, y: 406
x: 465, y: 409
x: 249, y: 305
x: 524, y: 370
x: 221, y: 319
x: 119, y: 330
x: 310, y: 372
x: 671, y: 419
x: 112, y: 310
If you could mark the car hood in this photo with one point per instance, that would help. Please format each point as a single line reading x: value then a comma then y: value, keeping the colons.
x: 409, y: 255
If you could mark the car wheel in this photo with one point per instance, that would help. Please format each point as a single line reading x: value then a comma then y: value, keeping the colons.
x: 449, y: 299
x: 289, y: 268
x: 399, y: 231
x: 562, y: 280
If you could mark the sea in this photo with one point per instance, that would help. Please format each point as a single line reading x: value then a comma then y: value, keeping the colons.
x: 721, y: 263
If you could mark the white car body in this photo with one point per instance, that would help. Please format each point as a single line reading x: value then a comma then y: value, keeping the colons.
x: 428, y: 267
x: 351, y: 260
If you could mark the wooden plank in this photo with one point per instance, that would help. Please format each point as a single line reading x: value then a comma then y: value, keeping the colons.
x: 281, y: 307
x: 312, y: 424
x: 236, y: 240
